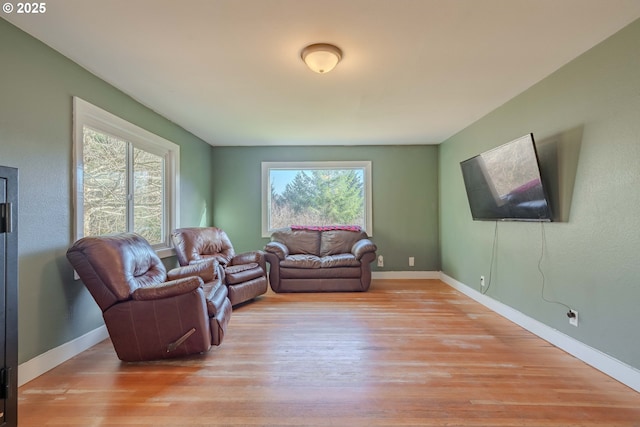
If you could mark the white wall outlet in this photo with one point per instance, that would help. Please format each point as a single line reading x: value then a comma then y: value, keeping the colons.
x: 482, y: 281
x: 573, y: 318
x: 412, y: 261
x: 380, y: 261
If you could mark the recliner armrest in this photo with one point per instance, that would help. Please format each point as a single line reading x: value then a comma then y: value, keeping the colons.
x: 168, y: 289
x: 248, y: 257
x: 362, y: 247
x: 278, y: 249
x: 206, y: 270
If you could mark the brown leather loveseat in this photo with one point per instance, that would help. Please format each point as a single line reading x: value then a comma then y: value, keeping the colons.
x: 149, y: 313
x: 319, y: 259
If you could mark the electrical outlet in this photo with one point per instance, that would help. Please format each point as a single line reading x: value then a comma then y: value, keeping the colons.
x: 482, y: 281
x: 380, y: 261
x: 412, y: 261
x: 573, y: 318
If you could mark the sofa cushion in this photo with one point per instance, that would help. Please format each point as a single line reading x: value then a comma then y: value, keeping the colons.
x: 314, y: 262
x: 339, y: 241
x: 301, y: 261
x: 298, y: 241
x: 339, y: 260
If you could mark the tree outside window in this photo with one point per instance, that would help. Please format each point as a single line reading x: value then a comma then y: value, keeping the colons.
x: 319, y: 193
x: 126, y: 180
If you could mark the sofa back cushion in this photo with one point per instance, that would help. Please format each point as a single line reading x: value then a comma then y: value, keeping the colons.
x: 298, y: 241
x: 195, y: 244
x: 335, y: 242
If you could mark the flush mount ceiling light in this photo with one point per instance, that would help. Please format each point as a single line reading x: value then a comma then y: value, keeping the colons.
x: 321, y: 57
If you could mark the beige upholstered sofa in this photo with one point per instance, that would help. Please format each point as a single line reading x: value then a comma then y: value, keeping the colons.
x: 320, y: 260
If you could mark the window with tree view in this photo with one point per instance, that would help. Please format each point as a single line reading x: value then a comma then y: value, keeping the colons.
x: 110, y: 164
x: 316, y: 193
x: 127, y: 178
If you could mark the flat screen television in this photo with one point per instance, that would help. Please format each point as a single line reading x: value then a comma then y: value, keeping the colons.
x: 504, y: 184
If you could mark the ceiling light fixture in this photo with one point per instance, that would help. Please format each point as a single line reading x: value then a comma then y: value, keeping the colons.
x: 321, y: 57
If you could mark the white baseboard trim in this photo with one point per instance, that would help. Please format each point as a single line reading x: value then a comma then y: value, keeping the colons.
x: 37, y: 366
x: 405, y: 275
x: 616, y: 369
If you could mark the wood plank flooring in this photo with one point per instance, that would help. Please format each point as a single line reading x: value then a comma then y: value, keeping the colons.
x: 406, y: 353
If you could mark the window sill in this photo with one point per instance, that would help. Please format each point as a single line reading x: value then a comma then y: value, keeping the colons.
x: 164, y: 252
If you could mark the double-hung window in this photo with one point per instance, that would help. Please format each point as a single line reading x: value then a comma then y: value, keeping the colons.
x: 126, y: 178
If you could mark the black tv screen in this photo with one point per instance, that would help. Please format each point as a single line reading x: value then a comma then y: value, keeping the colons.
x: 504, y: 184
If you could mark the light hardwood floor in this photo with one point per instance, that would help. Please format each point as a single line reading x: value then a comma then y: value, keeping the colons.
x: 406, y: 353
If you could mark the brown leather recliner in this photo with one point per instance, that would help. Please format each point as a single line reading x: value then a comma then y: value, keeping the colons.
x: 245, y: 274
x: 149, y: 313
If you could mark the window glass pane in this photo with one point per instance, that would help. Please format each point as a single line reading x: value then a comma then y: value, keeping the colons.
x: 148, y: 195
x: 331, y: 196
x: 104, y: 184
x: 126, y: 178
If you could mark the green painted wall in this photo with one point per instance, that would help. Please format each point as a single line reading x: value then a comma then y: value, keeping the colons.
x: 586, y: 117
x: 405, y: 197
x: 36, y: 89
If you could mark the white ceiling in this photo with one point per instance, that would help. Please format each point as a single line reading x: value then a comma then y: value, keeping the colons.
x: 413, y: 71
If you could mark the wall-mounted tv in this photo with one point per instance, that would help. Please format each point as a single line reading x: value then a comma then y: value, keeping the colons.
x: 504, y: 184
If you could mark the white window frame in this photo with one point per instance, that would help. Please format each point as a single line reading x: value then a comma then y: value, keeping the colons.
x: 86, y: 114
x: 266, y: 186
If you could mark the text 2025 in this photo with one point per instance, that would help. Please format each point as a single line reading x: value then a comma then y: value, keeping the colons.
x: 31, y: 8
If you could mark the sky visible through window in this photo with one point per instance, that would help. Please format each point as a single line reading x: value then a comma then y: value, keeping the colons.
x: 281, y: 177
